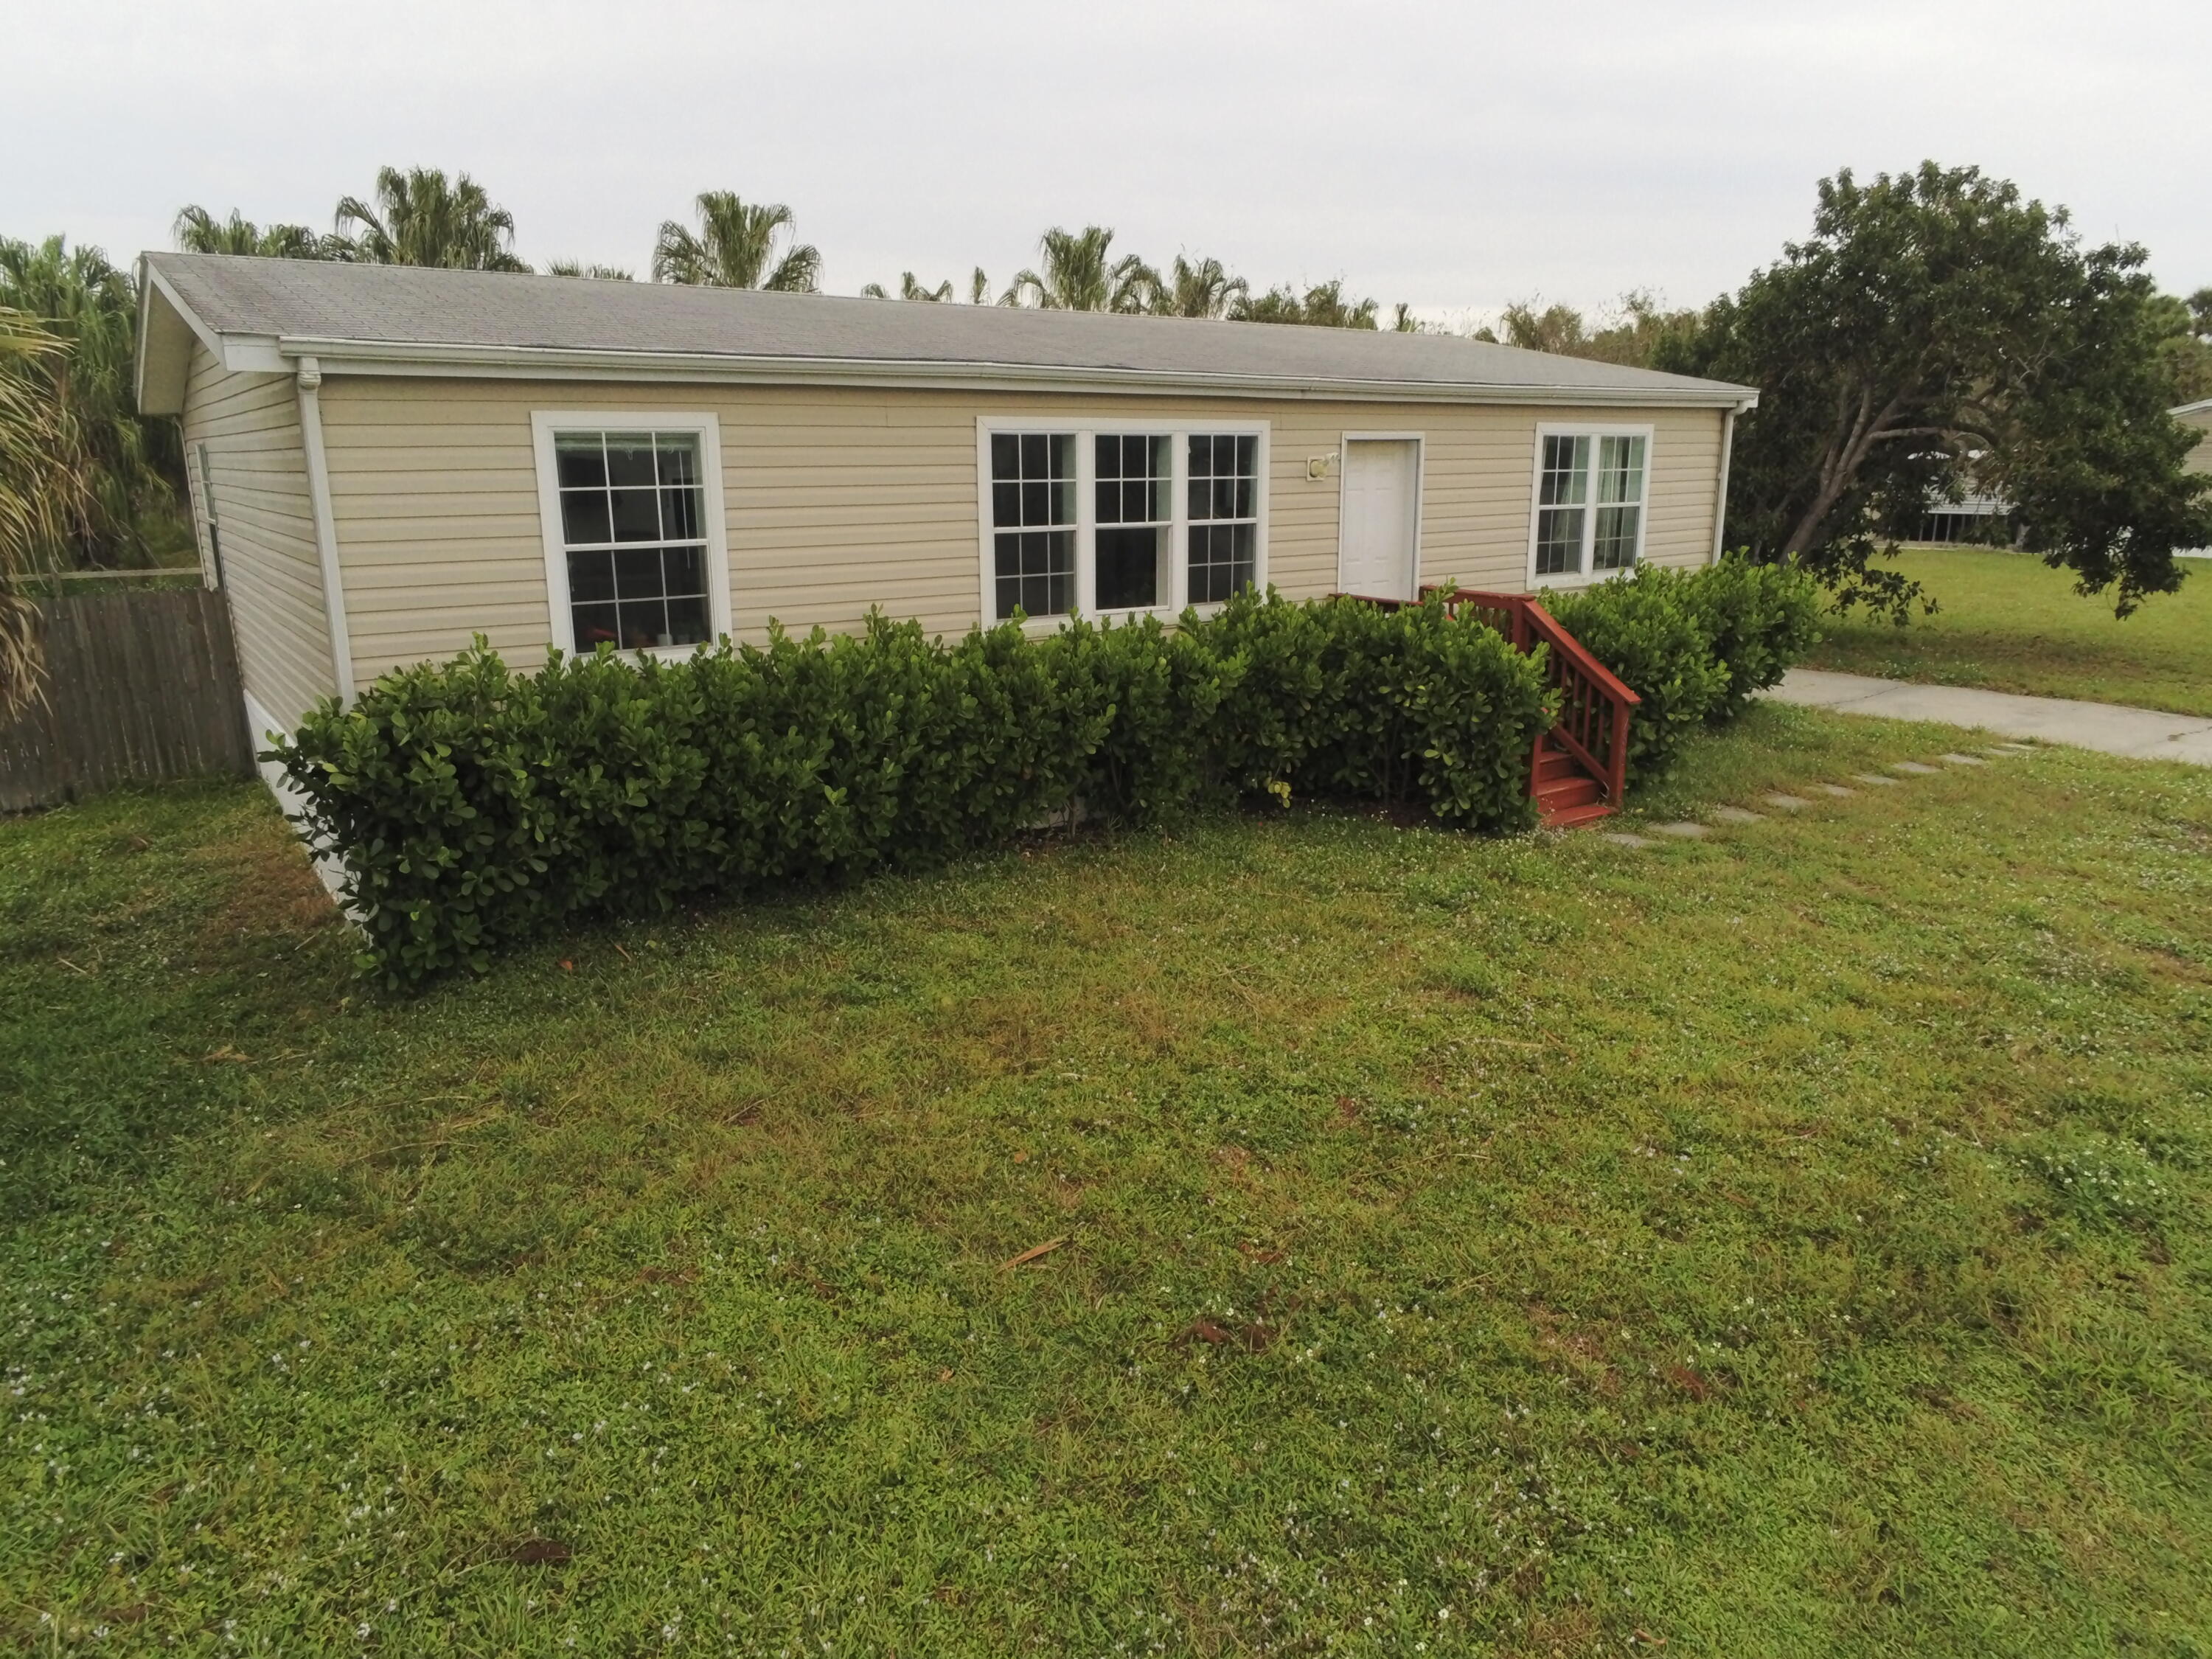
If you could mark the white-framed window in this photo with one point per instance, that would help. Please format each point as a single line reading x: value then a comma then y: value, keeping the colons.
x: 1592, y: 495
x: 1104, y: 517
x: 631, y: 506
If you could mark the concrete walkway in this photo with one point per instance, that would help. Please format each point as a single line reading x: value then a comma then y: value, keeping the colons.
x: 2138, y: 733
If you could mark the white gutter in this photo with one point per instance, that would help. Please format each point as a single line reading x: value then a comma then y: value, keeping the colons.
x: 310, y: 382
x: 341, y: 357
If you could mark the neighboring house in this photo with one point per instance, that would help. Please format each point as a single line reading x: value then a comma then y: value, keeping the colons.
x: 387, y: 460
x: 1979, y: 519
x: 2198, y: 414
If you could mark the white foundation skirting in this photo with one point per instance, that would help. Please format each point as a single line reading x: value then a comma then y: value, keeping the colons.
x: 259, y: 724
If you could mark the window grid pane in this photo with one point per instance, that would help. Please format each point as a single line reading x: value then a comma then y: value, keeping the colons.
x: 1620, y: 503
x: 1559, y: 541
x: 1225, y: 504
x: 1131, y: 476
x: 633, y: 518
x: 1615, y: 547
x: 1562, y: 491
x: 1033, y: 513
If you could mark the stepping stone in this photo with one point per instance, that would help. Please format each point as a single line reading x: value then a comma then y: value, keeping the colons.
x: 1915, y: 767
x: 1962, y: 760
x: 1835, y: 789
x: 1685, y: 831
x: 1736, y: 815
x: 1787, y: 803
x: 1623, y: 838
x: 2012, y: 749
x: 1873, y: 777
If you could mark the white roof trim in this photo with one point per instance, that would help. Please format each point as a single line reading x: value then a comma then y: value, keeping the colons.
x: 341, y: 356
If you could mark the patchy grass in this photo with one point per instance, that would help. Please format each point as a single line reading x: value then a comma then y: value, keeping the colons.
x: 2008, y: 622
x: 1789, y: 1243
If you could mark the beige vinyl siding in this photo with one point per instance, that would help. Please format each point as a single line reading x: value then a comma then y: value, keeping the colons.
x: 838, y: 499
x: 271, y: 574
x: 2199, y: 460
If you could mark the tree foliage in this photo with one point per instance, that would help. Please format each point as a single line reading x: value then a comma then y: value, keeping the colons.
x: 1938, y: 334
x: 1322, y: 306
x: 417, y: 217
x: 40, y: 491
x: 1639, y: 331
x: 1199, y: 288
x: 124, y: 471
x: 1079, y: 273
x: 2185, y: 343
x: 736, y: 246
x: 198, y: 231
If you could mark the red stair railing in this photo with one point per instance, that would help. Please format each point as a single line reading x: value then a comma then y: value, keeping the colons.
x: 1594, y: 704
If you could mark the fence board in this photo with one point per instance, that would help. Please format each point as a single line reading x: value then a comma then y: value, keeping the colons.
x: 138, y: 685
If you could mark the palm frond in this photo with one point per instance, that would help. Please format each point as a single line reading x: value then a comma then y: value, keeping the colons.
x: 735, y: 246
x: 39, y: 492
x: 419, y: 217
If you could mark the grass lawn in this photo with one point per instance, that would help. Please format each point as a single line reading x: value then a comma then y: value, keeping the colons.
x: 1295, y: 1235
x: 2008, y: 622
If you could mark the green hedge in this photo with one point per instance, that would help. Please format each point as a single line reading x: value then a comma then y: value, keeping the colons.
x: 1694, y: 645
x: 472, y: 805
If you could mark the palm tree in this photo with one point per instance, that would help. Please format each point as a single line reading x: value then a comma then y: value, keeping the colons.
x: 1322, y: 305
x: 909, y: 289
x: 597, y: 273
x: 127, y: 469
x: 735, y: 247
x: 1199, y: 289
x: 39, y: 492
x: 979, y: 289
x: 198, y: 231
x: 1078, y: 276
x: 420, y: 219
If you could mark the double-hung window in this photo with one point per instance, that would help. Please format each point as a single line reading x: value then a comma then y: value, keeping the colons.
x: 1592, y: 490
x: 632, y: 512
x: 1122, y: 519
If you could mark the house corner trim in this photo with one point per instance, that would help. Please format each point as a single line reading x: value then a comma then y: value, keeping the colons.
x: 309, y: 381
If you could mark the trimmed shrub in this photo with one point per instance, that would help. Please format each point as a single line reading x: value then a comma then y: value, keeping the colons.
x: 472, y: 805
x: 1694, y: 645
x: 1762, y: 620
x: 1647, y: 629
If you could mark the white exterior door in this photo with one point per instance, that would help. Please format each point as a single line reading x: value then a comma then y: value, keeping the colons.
x: 1376, y: 554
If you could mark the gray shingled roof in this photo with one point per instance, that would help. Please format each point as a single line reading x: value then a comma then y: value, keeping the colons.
x: 393, y: 307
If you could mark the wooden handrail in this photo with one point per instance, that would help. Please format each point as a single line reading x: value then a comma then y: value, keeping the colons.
x: 1594, y: 704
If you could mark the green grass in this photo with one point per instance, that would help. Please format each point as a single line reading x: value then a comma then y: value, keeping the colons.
x: 2009, y: 623
x: 1793, y: 1243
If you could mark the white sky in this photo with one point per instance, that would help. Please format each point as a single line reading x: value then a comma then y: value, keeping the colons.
x: 1454, y: 155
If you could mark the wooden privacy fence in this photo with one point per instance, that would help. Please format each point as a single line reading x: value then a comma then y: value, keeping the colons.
x: 138, y: 685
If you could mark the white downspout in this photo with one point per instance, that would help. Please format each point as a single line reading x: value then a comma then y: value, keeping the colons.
x: 310, y: 381
x: 1721, y: 479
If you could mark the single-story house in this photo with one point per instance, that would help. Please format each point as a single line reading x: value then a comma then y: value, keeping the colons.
x: 386, y: 461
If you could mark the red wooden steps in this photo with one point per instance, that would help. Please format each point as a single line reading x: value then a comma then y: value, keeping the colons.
x: 1567, y: 793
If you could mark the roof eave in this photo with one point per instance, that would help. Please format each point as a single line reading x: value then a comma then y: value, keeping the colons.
x: 339, y: 357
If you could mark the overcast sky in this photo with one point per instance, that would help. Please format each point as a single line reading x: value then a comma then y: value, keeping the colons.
x: 1457, y: 156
